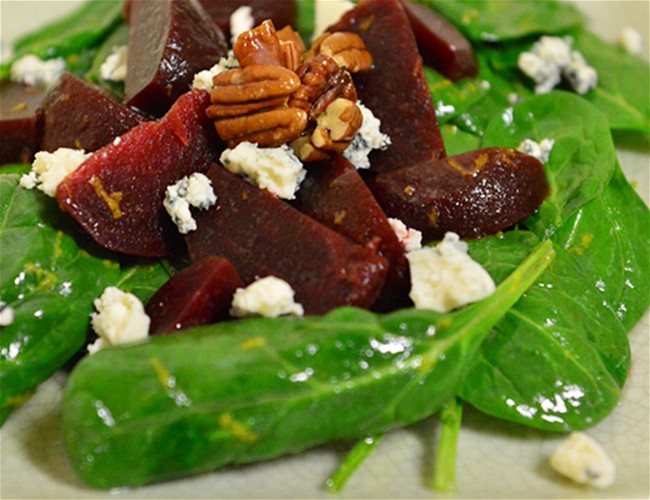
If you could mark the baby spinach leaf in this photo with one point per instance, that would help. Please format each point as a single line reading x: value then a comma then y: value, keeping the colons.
x: 458, y: 141
x: 583, y: 156
x: 118, y: 38
x: 451, y: 98
x: 50, y: 275
x: 495, y: 21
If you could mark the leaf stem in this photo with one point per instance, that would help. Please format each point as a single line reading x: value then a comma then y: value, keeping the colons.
x: 352, y: 461
x: 444, y: 477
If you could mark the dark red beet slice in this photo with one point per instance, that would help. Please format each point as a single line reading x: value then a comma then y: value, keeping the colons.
x: 441, y: 45
x: 79, y: 115
x: 264, y: 236
x: 281, y: 12
x: 200, y: 294
x: 395, y: 88
x: 335, y: 195
x: 169, y: 42
x: 117, y: 194
x: 20, y: 122
x: 473, y: 194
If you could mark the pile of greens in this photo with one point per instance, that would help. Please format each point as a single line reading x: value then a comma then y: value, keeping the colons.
x: 549, y: 349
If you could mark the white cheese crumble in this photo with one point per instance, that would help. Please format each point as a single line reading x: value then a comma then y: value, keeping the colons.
x: 550, y: 59
x: 6, y: 314
x: 541, y: 150
x: 120, y: 319
x: 411, y: 239
x: 368, y: 137
x: 445, y: 277
x: 268, y: 297
x: 276, y: 169
x: 328, y: 12
x: 114, y: 67
x: 631, y: 41
x: 582, y: 459
x: 195, y: 190
x: 241, y: 20
x: 31, y: 70
x: 203, y: 79
x: 49, y: 169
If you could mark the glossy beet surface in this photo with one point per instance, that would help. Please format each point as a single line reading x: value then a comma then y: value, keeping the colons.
x: 441, y: 45
x: 169, y: 42
x: 395, y: 88
x: 19, y: 122
x: 78, y: 115
x: 335, y: 195
x: 473, y: 194
x: 200, y: 294
x: 262, y: 235
x: 117, y: 194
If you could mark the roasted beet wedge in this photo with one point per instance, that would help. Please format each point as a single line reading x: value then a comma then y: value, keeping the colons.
x: 441, y: 45
x: 281, y: 12
x: 200, y: 294
x: 169, y: 42
x: 335, y: 195
x: 20, y: 122
x: 264, y: 236
x: 395, y: 88
x: 117, y: 194
x: 473, y: 194
x: 79, y: 115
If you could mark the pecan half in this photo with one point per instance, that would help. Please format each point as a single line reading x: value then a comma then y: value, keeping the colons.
x: 292, y: 48
x: 268, y: 128
x: 259, y: 45
x: 347, y: 49
x: 253, y: 83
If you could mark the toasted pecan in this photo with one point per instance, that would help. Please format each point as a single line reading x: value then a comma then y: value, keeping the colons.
x: 253, y: 83
x: 347, y: 49
x: 259, y: 45
x: 267, y: 128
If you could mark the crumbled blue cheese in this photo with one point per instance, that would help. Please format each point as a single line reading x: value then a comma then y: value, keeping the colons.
x: 582, y: 459
x: 114, y: 67
x: 241, y: 20
x: 551, y: 59
x: 203, y: 79
x: 31, y: 70
x: 276, y: 169
x: 120, y: 319
x: 49, y: 169
x: 195, y: 190
x: 411, y: 239
x: 368, y: 138
x: 268, y: 297
x: 445, y: 277
x: 541, y: 150
x: 630, y: 40
x: 6, y: 314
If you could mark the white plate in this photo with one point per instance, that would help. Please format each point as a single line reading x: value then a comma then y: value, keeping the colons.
x: 495, y: 460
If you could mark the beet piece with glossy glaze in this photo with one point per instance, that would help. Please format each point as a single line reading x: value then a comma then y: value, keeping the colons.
x: 264, y: 236
x: 117, y: 194
x: 441, y: 45
x: 335, y: 195
x: 20, y: 122
x: 169, y: 42
x: 79, y: 115
x: 472, y: 194
x: 395, y: 88
x: 200, y: 294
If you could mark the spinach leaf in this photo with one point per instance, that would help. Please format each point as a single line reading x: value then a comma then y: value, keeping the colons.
x: 457, y: 141
x: 118, y: 38
x: 306, y: 19
x: 496, y: 21
x: 559, y: 358
x: 50, y: 275
x: 241, y: 391
x: 583, y: 156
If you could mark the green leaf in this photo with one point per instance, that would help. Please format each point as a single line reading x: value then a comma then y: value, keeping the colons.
x: 452, y: 99
x: 457, y: 141
x: 118, y: 38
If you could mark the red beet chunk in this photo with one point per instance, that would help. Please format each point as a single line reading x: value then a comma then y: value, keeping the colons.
x: 395, y: 88
x: 117, y: 194
x: 281, y: 12
x: 169, y: 42
x: 473, y: 194
x: 82, y: 116
x: 200, y: 294
x: 335, y: 195
x: 20, y: 122
x: 441, y: 45
x: 264, y: 236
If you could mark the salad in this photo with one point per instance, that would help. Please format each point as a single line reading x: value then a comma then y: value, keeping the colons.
x: 463, y: 112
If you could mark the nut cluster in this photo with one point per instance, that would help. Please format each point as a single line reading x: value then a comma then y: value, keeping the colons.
x: 285, y: 94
